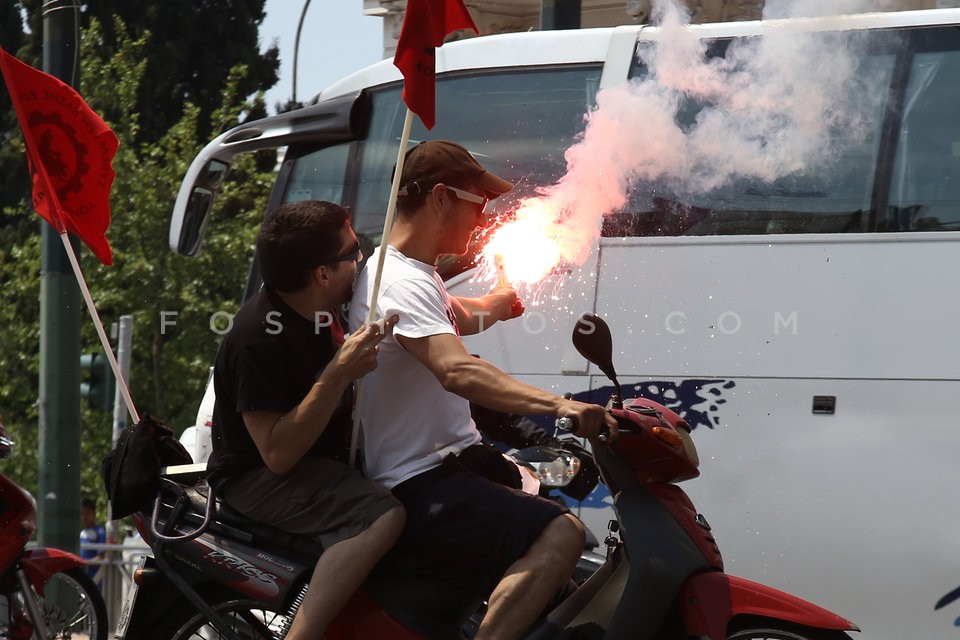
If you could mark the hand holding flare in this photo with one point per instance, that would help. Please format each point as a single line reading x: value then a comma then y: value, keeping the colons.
x: 502, y: 280
x: 517, y: 309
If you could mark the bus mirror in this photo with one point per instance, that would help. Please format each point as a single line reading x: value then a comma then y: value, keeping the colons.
x: 195, y: 220
x: 196, y: 214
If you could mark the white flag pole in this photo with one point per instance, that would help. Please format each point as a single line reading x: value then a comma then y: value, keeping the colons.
x: 107, y: 348
x: 387, y: 223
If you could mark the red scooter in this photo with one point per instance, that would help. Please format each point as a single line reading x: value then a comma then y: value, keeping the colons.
x: 214, y: 574
x: 44, y: 593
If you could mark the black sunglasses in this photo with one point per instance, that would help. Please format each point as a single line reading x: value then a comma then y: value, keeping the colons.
x: 352, y: 254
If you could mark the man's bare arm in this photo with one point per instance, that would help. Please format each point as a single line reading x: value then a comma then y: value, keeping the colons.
x: 479, y: 314
x: 482, y: 383
x: 283, y: 439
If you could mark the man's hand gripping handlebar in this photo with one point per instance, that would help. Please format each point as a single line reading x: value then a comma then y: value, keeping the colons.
x: 588, y: 420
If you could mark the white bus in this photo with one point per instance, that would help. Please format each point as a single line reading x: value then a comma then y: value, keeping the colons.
x: 803, y: 323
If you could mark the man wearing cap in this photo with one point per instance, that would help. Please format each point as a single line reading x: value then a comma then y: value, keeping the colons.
x: 470, y: 535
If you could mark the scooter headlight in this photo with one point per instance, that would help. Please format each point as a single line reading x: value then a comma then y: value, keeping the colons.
x: 558, y: 472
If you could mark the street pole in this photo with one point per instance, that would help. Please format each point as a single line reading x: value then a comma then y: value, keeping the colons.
x: 113, y: 584
x: 296, y: 50
x: 61, y: 309
x: 124, y: 340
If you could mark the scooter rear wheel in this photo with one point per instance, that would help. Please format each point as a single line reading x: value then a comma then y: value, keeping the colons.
x: 779, y: 630
x: 248, y: 618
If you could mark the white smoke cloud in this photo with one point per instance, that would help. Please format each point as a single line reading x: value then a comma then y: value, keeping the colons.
x: 771, y: 107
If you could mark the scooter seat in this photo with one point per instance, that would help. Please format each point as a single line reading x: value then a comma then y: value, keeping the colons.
x: 230, y: 522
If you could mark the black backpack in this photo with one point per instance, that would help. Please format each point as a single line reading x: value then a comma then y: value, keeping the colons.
x: 131, y: 471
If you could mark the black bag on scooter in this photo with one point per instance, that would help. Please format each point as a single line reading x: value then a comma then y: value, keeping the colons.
x: 131, y: 471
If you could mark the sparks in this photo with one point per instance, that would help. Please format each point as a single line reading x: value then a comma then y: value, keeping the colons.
x: 525, y: 250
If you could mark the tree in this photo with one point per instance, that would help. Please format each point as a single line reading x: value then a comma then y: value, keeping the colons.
x: 14, y: 180
x: 194, y: 46
x: 197, y: 44
x: 169, y: 364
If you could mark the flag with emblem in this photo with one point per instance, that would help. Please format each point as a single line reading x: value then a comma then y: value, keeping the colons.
x: 70, y: 150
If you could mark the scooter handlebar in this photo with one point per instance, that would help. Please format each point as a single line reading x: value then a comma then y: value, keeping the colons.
x: 571, y: 424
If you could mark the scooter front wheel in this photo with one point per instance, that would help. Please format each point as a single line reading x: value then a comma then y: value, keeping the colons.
x: 71, y: 607
x: 780, y: 630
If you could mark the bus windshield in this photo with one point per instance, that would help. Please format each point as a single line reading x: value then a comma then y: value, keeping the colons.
x: 517, y: 122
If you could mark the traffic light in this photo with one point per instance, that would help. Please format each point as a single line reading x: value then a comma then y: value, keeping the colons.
x: 100, y: 386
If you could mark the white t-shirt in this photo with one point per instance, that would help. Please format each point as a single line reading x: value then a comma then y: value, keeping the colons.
x: 410, y: 422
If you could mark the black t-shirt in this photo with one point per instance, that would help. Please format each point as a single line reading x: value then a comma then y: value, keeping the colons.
x: 268, y: 362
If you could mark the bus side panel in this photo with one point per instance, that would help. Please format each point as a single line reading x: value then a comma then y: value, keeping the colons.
x: 839, y: 306
x: 850, y: 509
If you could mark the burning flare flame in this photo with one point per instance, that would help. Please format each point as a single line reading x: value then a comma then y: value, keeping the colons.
x: 526, y: 249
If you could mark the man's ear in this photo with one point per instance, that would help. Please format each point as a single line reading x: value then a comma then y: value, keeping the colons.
x: 440, y: 195
x: 321, y: 275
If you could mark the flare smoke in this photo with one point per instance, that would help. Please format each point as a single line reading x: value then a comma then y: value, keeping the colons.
x: 784, y: 103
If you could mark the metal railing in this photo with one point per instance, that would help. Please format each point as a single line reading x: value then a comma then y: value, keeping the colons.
x: 115, y: 564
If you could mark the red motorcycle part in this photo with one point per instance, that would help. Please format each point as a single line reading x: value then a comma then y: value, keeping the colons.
x: 683, y: 510
x: 20, y: 627
x: 710, y: 599
x: 17, y: 520
x: 655, y: 451
x: 362, y: 617
x: 41, y: 563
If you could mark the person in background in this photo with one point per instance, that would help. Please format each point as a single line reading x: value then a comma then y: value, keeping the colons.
x: 465, y: 530
x: 92, y: 533
x: 283, y: 378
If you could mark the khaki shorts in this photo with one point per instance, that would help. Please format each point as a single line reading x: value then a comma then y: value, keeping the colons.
x: 319, y: 498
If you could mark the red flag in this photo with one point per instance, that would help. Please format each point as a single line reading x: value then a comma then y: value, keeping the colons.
x: 69, y: 149
x: 425, y: 26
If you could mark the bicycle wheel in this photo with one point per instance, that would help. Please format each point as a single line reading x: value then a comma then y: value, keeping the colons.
x: 71, y: 605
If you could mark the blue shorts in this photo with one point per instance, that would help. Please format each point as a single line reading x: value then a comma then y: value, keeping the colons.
x: 463, y: 532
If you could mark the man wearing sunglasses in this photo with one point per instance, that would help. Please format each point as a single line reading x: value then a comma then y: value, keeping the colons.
x: 283, y: 380
x: 473, y: 536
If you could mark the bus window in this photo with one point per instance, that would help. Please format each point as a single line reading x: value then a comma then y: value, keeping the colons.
x: 517, y: 122
x: 925, y: 186
x: 833, y: 197
x: 318, y: 175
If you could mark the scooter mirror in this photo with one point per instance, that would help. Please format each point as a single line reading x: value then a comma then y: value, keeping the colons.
x: 592, y: 339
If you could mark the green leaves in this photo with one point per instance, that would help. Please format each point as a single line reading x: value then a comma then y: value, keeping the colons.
x: 170, y: 363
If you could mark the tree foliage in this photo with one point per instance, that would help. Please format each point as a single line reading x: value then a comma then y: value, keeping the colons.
x: 14, y: 180
x: 169, y: 364
x: 189, y: 49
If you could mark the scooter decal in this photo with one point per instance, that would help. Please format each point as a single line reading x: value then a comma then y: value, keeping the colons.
x: 242, y: 567
x: 277, y: 562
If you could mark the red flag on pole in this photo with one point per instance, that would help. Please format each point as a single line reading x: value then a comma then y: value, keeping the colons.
x: 69, y: 149
x: 425, y: 25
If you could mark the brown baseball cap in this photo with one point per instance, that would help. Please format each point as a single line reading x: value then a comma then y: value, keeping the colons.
x: 435, y: 161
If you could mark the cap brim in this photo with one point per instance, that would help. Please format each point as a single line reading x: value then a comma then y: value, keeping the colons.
x: 492, y: 185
